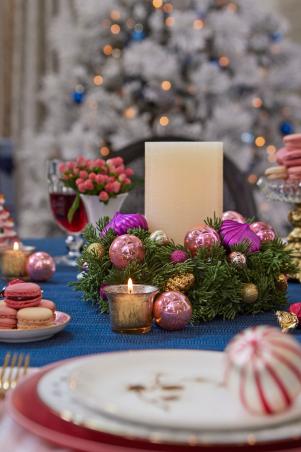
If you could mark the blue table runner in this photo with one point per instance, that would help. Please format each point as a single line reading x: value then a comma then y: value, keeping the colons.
x: 89, y: 331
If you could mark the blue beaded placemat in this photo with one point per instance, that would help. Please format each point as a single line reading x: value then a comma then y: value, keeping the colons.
x: 89, y: 331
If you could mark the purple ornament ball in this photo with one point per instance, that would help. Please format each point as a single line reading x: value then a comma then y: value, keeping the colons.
x: 234, y: 216
x: 200, y: 237
x: 102, y: 291
x: 172, y: 310
x: 122, y: 222
x: 40, y: 266
x: 234, y: 233
x: 178, y: 256
x: 125, y: 249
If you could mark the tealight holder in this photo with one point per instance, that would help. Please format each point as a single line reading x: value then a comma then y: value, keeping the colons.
x: 131, y: 307
x: 14, y: 262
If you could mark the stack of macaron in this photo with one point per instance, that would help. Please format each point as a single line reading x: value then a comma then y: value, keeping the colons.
x: 7, y: 225
x: 288, y: 159
x: 24, y: 308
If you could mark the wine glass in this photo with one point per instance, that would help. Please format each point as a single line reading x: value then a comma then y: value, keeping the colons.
x: 61, y: 199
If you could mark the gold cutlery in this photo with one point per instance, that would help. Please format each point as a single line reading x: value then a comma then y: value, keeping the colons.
x: 14, y: 366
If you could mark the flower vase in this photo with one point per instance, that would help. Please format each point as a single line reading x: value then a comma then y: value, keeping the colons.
x: 96, y: 209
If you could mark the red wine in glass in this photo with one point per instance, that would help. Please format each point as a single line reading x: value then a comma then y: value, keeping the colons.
x: 60, y: 205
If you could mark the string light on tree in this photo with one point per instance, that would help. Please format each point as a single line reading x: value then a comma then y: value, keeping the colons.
x: 198, y: 24
x: 104, y: 151
x: 115, y: 14
x: 115, y: 29
x: 78, y: 94
x: 157, y: 3
x: 166, y: 85
x: 224, y: 61
x: 260, y: 141
x: 168, y: 8
x: 252, y: 178
x: 257, y: 102
x: 232, y: 7
x: 286, y: 128
x: 130, y: 112
x: 164, y: 121
x: 169, y: 21
x: 98, y: 80
x: 107, y: 49
x: 247, y: 137
x: 271, y: 149
x: 138, y: 33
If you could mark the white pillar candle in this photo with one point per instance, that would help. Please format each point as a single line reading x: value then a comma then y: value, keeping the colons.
x: 183, y: 185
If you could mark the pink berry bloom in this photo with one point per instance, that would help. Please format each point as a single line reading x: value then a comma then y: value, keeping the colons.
x: 82, y: 188
x: 83, y: 174
x: 66, y: 177
x: 70, y: 165
x: 99, y: 163
x: 88, y: 185
x: 62, y: 167
x: 127, y: 181
x: 109, y: 187
x: 121, y: 177
x: 76, y: 171
x: 129, y: 172
x: 92, y: 176
x: 119, y: 169
x: 100, y: 178
x: 103, y: 196
x: 116, y: 161
x: 79, y: 181
x: 81, y: 161
x: 116, y: 186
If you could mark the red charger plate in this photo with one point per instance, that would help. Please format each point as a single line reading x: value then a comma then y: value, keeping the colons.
x: 26, y: 408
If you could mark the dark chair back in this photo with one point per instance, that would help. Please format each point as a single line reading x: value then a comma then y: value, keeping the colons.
x: 238, y: 193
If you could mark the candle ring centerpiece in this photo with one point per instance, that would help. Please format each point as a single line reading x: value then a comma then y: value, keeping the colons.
x: 131, y: 307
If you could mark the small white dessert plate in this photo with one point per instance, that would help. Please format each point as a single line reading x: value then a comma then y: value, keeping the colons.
x: 166, y: 389
x: 37, y: 334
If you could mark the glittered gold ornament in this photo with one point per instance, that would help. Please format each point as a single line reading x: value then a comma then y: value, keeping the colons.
x: 159, y: 237
x: 96, y: 248
x: 287, y: 320
x: 180, y: 283
x: 281, y: 282
x: 249, y: 293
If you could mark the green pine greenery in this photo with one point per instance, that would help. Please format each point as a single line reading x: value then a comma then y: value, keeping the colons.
x: 217, y: 291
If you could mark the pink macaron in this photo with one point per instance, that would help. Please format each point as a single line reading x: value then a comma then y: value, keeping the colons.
x: 8, y: 317
x: 23, y: 295
x: 48, y: 304
x: 293, y: 140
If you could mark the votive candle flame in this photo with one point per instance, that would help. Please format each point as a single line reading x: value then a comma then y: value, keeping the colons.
x: 14, y: 262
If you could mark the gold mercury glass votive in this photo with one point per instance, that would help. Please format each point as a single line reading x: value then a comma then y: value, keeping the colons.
x: 131, y: 307
x: 14, y: 262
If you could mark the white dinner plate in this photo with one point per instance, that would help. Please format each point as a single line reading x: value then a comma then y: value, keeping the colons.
x: 171, y: 389
x: 54, y: 391
x: 37, y: 334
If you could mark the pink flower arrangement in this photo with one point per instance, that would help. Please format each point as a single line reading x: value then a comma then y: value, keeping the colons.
x: 104, y: 178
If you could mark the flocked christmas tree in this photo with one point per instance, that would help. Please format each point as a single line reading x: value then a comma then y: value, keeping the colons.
x: 202, y: 69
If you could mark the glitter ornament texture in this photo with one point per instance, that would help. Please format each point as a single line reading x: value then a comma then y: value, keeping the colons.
x: 238, y: 259
x: 178, y: 256
x: 180, y: 283
x: 234, y: 216
x: 40, y: 266
x: 266, y: 235
x: 287, y: 320
x: 96, y: 248
x: 122, y: 222
x: 200, y: 237
x: 125, y: 249
x: 172, y: 310
x: 281, y: 282
x: 159, y: 237
x: 263, y: 370
x: 249, y: 293
x: 234, y: 233
x: 260, y: 226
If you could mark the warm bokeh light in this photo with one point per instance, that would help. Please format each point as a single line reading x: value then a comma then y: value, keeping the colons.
x: 115, y: 29
x: 272, y: 158
x: 16, y: 246
x: 130, y: 22
x: 164, y: 121
x: 170, y: 21
x: 98, y: 80
x: 166, y: 85
x: 157, y: 3
x: 115, y: 14
x: 130, y: 112
x: 271, y: 149
x: 104, y: 151
x: 168, y: 8
x: 260, y: 141
x: 252, y: 178
x: 107, y: 50
x: 232, y: 7
x: 224, y: 61
x: 257, y: 102
x: 198, y: 24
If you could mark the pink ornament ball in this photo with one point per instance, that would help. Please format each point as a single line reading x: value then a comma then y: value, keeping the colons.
x: 234, y: 216
x: 125, y: 249
x: 178, y: 256
x: 266, y: 235
x: 40, y: 266
x: 260, y: 226
x: 200, y: 237
x: 172, y: 310
x: 263, y: 369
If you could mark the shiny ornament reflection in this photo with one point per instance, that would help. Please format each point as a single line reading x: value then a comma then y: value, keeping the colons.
x: 40, y: 266
x: 172, y: 310
x: 200, y: 237
x: 125, y: 249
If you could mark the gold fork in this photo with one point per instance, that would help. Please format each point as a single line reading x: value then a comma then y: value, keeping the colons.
x: 14, y: 367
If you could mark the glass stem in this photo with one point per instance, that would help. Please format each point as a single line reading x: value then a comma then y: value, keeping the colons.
x: 74, y: 242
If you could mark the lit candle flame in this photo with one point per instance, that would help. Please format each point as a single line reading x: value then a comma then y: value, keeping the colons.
x: 16, y: 246
x: 130, y: 285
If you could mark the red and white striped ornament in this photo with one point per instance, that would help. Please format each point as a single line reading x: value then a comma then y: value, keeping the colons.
x: 263, y: 369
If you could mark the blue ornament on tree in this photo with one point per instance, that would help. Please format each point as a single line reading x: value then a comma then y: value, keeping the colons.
x: 137, y: 35
x: 78, y: 94
x: 277, y: 36
x: 286, y: 128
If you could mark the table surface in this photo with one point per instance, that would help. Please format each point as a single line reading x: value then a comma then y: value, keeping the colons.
x: 89, y: 331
